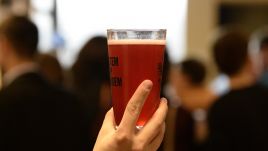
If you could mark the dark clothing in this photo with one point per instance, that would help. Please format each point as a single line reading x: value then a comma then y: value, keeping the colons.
x: 264, y: 78
x: 35, y: 116
x: 184, y: 132
x: 239, y: 121
x: 92, y: 108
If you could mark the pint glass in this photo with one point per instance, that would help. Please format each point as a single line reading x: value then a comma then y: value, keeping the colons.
x: 134, y: 56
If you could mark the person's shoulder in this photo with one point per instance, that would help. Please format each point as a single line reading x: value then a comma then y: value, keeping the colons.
x: 62, y: 95
x: 240, y: 95
x: 260, y: 88
x: 217, y: 104
x: 221, y: 111
x: 260, y: 93
x: 67, y: 95
x: 26, y: 82
x: 222, y: 100
x: 235, y: 98
x: 13, y: 91
x: 256, y: 93
x: 230, y: 102
x: 61, y: 91
x: 5, y: 96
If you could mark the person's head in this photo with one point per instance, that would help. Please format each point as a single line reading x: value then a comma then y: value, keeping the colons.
x: 18, y: 39
x: 51, y: 69
x: 91, y: 70
x: 190, y: 73
x: 230, y: 52
x: 92, y: 61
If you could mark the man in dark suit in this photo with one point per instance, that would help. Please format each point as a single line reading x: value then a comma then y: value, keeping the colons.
x: 238, y: 120
x: 34, y: 115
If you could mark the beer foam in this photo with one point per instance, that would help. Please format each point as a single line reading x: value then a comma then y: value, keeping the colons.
x: 136, y: 42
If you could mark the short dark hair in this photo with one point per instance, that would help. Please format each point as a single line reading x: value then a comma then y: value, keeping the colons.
x: 22, y: 34
x: 195, y: 70
x: 92, y: 64
x: 230, y: 52
x: 264, y: 43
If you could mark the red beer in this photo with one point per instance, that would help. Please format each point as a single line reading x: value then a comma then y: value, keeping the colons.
x: 131, y: 62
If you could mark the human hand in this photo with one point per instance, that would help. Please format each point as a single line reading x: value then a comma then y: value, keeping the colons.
x: 126, y: 137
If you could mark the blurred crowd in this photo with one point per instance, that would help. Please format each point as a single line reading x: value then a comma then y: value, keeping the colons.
x: 43, y: 105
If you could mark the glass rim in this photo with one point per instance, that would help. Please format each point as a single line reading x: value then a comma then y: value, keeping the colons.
x: 139, y: 30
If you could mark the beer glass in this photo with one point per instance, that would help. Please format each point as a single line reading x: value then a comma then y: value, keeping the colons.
x: 134, y: 56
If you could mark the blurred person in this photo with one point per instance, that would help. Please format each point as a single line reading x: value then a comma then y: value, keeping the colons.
x: 220, y: 84
x: 34, y: 115
x: 259, y: 44
x: 188, y: 79
x: 91, y: 82
x: 238, y: 120
x: 51, y: 69
x: 163, y: 93
x: 126, y: 137
x: 264, y: 52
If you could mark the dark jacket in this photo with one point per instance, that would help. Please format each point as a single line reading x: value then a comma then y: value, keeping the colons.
x: 36, y: 116
x: 239, y: 120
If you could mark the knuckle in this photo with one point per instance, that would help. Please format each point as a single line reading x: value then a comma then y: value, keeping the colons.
x: 139, y: 145
x: 158, y: 124
x: 133, y: 108
x: 123, y: 137
x: 138, y: 148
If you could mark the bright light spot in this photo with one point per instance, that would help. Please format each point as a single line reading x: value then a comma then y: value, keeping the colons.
x: 80, y: 20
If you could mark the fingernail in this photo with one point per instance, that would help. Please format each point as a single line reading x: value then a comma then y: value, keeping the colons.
x: 164, y: 100
x: 148, y: 84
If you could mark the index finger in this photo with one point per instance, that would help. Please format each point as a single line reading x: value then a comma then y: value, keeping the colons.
x: 134, y: 106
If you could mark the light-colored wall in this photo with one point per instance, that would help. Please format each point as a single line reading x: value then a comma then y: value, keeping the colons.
x: 200, y: 25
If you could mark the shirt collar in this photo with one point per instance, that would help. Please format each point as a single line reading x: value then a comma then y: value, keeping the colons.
x: 17, y: 71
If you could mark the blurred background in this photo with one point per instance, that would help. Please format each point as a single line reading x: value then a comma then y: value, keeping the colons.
x: 65, y: 27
